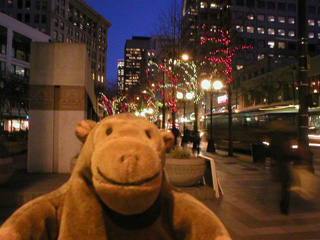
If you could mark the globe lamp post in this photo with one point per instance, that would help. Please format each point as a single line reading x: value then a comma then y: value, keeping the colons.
x: 211, y: 88
x: 187, y: 96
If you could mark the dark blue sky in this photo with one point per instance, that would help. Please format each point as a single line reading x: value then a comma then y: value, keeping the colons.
x: 128, y: 18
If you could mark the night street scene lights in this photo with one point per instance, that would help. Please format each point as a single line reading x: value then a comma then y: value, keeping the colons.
x: 185, y: 57
x: 211, y: 88
x: 184, y: 98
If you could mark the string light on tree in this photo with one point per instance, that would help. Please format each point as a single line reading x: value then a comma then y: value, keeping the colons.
x: 223, y: 55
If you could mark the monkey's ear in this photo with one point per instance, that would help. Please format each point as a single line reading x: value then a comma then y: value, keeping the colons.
x: 83, y: 129
x: 168, y: 139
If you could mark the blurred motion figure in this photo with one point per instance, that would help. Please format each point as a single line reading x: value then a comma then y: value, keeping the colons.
x: 281, y: 152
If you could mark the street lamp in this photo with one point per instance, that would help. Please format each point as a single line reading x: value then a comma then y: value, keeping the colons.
x: 216, y: 86
x: 185, y: 57
x: 187, y: 96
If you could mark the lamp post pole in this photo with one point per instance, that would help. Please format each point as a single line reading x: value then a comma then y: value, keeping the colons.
x: 184, y: 114
x: 163, y: 98
x: 211, y: 147
x: 303, y: 140
x: 206, y: 85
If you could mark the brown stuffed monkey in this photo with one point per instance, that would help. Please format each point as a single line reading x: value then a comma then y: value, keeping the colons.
x: 118, y: 190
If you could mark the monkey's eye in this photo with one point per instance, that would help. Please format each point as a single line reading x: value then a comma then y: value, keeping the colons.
x: 109, y: 131
x: 148, y: 134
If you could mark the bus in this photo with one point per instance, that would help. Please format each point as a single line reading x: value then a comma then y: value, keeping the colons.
x: 252, y: 126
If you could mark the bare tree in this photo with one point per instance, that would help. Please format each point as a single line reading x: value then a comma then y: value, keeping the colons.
x: 169, y: 28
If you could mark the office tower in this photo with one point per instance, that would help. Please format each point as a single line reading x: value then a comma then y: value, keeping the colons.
x: 135, y: 61
x: 68, y: 21
x: 139, y: 51
x: 120, y: 78
x: 15, y: 44
x: 270, y: 27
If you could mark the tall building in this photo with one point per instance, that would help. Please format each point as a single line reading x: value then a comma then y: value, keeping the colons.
x: 270, y: 27
x: 15, y: 44
x: 139, y: 51
x: 68, y: 21
x: 120, y: 78
x: 195, y: 14
x: 135, y: 61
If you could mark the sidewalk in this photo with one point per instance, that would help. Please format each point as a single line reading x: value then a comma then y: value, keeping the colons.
x: 249, y: 207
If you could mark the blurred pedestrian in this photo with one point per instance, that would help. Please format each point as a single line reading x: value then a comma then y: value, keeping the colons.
x: 196, y: 142
x: 280, y: 150
x: 176, y: 134
x: 185, y: 138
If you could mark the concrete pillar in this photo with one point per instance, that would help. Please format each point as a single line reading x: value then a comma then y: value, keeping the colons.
x: 59, y: 85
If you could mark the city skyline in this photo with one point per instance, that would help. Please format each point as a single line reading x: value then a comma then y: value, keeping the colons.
x: 122, y: 15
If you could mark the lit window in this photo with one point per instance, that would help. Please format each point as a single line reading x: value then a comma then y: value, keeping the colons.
x: 311, y: 34
x: 281, y: 32
x: 203, y: 5
x: 281, y: 19
x: 291, y: 20
x: 318, y: 23
x: 318, y: 35
x: 260, y: 30
x: 239, y: 28
x: 102, y: 79
x: 213, y: 5
x: 271, y: 44
x: 281, y: 45
x: 98, y: 78
x: 251, y: 16
x: 271, y: 31
x: 239, y: 67
x: 260, y: 17
x: 292, y: 33
x: 311, y: 22
x: 271, y: 18
x: 260, y: 56
x: 250, y: 29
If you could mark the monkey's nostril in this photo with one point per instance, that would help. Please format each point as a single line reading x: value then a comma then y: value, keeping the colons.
x: 129, y: 158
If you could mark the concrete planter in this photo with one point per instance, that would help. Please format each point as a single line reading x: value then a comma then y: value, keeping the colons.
x: 6, y: 169
x: 185, y: 172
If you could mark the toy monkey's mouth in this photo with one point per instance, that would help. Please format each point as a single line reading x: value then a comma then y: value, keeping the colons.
x: 137, y: 183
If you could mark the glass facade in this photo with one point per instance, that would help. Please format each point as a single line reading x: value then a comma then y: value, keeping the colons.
x: 3, y: 40
x: 21, y: 47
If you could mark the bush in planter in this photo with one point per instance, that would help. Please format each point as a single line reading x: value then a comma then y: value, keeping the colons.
x: 183, y: 169
x: 180, y: 153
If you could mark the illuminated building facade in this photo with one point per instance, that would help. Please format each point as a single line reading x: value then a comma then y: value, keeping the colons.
x: 135, y: 61
x: 270, y: 27
x: 120, y: 78
x: 67, y: 21
x: 138, y: 52
x: 15, y: 49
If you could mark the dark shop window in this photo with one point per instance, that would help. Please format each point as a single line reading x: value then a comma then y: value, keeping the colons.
x: 21, y: 47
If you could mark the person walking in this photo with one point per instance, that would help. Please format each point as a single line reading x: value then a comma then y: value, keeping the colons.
x: 196, y: 142
x: 280, y: 150
x: 176, y: 134
x: 185, y: 137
